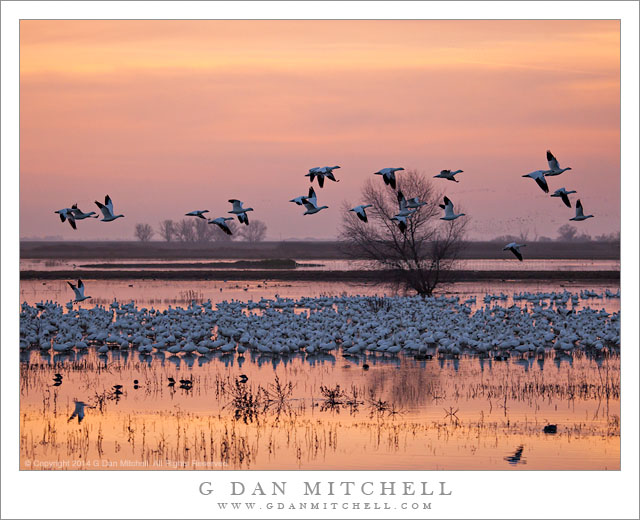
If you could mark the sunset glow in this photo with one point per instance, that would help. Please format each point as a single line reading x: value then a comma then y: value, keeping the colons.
x: 171, y: 116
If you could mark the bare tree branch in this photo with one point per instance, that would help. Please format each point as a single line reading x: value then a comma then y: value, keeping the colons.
x: 419, y: 255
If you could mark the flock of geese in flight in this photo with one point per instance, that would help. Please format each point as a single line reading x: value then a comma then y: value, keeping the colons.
x: 406, y: 207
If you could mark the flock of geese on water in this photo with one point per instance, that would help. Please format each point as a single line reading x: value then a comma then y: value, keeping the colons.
x: 357, y: 326
x: 407, y: 207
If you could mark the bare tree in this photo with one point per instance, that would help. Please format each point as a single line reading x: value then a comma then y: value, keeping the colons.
x: 220, y: 236
x: 203, y: 230
x: 569, y: 233
x: 254, y: 232
x: 144, y: 232
x: 184, y: 230
x: 166, y: 230
x: 423, y: 252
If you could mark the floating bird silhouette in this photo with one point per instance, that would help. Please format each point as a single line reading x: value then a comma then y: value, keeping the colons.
x: 79, y: 291
x: 564, y: 195
x: 221, y: 222
x: 554, y: 167
x: 580, y: 216
x: 449, y: 214
x: 67, y: 214
x: 78, y: 214
x: 240, y: 211
x: 360, y: 211
x: 538, y: 176
x: 515, y: 249
x: 448, y: 174
x: 389, y: 176
x: 550, y: 428
x: 107, y: 210
x: 78, y: 411
x: 197, y: 213
x: 311, y: 203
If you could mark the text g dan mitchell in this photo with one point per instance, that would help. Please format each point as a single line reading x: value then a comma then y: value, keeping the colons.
x: 327, y: 488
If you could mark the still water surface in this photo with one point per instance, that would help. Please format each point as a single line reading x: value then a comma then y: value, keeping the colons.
x: 400, y: 413
x: 497, y: 264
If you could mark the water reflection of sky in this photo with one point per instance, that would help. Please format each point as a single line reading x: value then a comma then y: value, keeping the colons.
x: 162, y: 293
x: 466, y: 413
x: 496, y: 264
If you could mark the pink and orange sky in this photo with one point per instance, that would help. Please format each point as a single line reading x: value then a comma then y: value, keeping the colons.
x: 172, y: 116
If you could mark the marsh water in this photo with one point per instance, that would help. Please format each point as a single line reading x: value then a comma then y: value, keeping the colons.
x: 499, y: 264
x: 322, y: 411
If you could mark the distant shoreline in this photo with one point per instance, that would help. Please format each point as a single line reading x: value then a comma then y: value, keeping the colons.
x: 315, y: 276
x: 289, y: 250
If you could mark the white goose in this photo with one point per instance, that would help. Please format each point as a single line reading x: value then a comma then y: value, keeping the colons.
x: 404, y: 208
x: 415, y: 203
x: 107, y: 210
x: 311, y: 203
x: 402, y: 222
x: 360, y: 211
x: 564, y: 194
x: 448, y: 174
x: 554, y: 167
x: 538, y: 176
x: 197, y: 213
x: 67, y: 214
x: 240, y: 211
x: 515, y: 249
x: 78, y: 214
x: 221, y: 222
x: 580, y: 216
x: 389, y: 176
x: 79, y: 291
x: 321, y: 172
x: 448, y: 210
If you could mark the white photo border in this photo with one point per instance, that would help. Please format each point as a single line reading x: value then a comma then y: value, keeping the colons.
x: 160, y: 494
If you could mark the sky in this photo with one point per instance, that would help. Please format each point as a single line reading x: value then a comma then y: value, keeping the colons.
x: 171, y: 116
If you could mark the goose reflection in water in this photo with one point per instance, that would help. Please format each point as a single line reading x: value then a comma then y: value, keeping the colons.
x: 516, y: 458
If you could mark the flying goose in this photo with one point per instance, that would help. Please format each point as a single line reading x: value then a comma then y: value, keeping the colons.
x: 79, y: 291
x: 321, y: 172
x: 538, y: 176
x: 240, y: 211
x: 402, y: 222
x: 448, y: 210
x: 78, y: 214
x: 564, y: 194
x: 222, y: 224
x: 415, y: 203
x: 404, y: 208
x: 67, y: 214
x: 448, y: 174
x: 107, y: 210
x: 311, y: 203
x: 515, y: 249
x: 554, y: 167
x: 579, y: 213
x: 197, y: 213
x: 389, y: 176
x: 360, y: 211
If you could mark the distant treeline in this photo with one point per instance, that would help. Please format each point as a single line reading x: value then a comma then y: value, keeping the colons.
x: 597, y: 250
